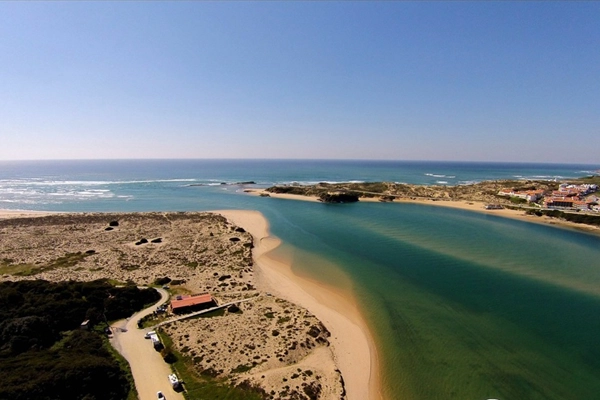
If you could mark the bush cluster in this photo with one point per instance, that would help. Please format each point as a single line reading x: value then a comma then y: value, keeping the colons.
x: 43, y: 352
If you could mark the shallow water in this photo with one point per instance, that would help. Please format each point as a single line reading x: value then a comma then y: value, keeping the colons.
x: 464, y: 305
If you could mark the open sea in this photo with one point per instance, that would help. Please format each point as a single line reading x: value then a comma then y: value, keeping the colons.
x: 462, y: 305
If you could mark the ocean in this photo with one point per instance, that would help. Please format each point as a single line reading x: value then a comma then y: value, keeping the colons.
x: 461, y: 305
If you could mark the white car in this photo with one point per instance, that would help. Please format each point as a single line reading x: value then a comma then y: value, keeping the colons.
x: 160, y: 396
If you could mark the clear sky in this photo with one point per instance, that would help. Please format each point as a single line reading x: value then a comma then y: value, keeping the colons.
x: 473, y: 81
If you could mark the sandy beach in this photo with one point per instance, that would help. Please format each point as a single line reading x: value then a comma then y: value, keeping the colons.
x: 353, y: 347
x: 6, y: 214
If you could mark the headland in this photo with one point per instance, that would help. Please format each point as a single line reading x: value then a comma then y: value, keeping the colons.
x: 573, y: 204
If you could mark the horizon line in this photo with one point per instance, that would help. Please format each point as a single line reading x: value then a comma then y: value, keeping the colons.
x: 298, y: 159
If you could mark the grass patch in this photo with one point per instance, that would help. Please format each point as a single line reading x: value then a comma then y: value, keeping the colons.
x: 205, y: 387
x: 217, y: 313
x: 241, y: 368
x: 517, y: 200
x: 594, y: 179
x: 283, y: 320
x: 27, y: 269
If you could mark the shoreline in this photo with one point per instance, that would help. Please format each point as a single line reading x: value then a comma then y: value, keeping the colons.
x: 354, y: 349
x: 475, y: 206
x: 7, y: 214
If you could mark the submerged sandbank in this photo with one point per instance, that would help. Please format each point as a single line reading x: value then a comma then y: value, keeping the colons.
x: 353, y: 347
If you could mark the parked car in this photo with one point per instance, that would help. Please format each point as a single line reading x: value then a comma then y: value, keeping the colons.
x: 160, y: 396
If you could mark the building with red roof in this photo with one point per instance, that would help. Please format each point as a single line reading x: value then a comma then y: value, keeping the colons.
x: 194, y: 302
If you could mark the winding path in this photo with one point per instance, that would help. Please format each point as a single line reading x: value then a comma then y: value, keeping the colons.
x: 149, y: 370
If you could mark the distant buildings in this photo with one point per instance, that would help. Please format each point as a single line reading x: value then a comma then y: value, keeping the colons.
x: 571, y: 197
x: 529, y: 195
x: 568, y: 197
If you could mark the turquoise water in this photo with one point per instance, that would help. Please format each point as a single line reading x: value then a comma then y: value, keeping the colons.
x: 137, y: 185
x: 466, y: 305
x: 462, y: 305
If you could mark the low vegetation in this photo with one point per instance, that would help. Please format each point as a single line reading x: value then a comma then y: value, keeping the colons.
x: 388, y: 191
x: 568, y: 216
x: 7, y: 266
x: 592, y: 180
x: 205, y: 386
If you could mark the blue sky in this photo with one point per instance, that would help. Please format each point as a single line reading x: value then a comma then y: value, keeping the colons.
x: 473, y: 81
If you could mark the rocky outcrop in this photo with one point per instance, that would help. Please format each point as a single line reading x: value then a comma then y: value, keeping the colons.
x: 338, y: 197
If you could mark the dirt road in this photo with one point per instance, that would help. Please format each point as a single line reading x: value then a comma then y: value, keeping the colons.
x: 150, y: 372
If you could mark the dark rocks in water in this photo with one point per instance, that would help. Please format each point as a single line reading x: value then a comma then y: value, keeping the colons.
x: 241, y: 230
x: 246, y: 183
x: 142, y: 241
x: 338, y: 197
x: 113, y: 223
x: 157, y: 240
x: 234, y: 239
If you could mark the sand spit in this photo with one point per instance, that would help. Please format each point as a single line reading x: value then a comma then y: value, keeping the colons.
x: 354, y: 350
x: 469, y: 205
x: 268, y: 342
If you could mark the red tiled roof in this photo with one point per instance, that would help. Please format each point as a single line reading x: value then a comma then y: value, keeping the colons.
x: 193, y: 300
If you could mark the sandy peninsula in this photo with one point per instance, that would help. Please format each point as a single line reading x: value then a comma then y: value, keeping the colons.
x: 469, y: 205
x: 353, y: 348
x: 292, y: 338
